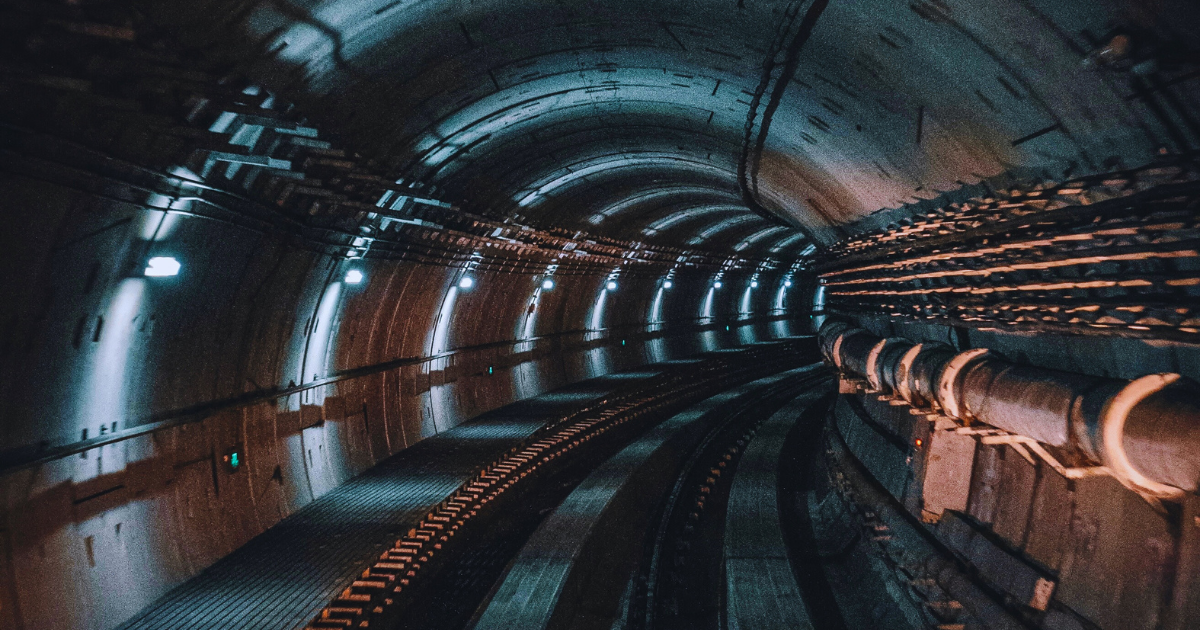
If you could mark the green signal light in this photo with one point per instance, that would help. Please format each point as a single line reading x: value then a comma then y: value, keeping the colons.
x: 726, y: 329
x: 622, y: 342
x: 231, y: 460
x: 491, y: 370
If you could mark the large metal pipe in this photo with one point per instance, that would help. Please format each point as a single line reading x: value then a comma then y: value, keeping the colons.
x: 1022, y: 399
x: 886, y: 366
x: 1146, y: 431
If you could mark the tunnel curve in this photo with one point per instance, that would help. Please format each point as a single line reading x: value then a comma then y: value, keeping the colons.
x: 255, y: 248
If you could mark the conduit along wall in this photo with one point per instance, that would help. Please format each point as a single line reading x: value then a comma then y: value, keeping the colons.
x: 1072, y: 496
x: 1145, y: 432
x: 1018, y: 370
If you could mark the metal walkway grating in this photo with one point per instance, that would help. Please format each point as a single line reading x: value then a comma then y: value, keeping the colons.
x: 284, y: 576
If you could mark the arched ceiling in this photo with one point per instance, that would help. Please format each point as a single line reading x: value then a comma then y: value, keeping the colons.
x: 624, y: 118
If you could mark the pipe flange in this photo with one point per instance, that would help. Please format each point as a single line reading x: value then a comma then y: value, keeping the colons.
x: 837, y: 350
x: 947, y: 390
x: 904, y: 369
x: 1112, y: 436
x: 872, y: 361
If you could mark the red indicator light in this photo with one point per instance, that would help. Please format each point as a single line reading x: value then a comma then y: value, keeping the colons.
x: 919, y: 442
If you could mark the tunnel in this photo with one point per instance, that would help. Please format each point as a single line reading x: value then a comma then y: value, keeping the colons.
x: 600, y: 314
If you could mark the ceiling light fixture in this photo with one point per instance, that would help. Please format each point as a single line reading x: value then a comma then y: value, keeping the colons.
x: 161, y: 267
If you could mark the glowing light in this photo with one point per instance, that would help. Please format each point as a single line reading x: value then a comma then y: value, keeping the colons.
x: 322, y: 339
x: 754, y: 284
x: 597, y: 318
x: 611, y: 286
x: 440, y: 341
x: 780, y: 296
x: 466, y: 283
x: 580, y: 171
x: 691, y: 213
x: 656, y: 308
x: 105, y: 395
x: 547, y: 284
x: 720, y: 226
x: 162, y: 266
x: 667, y: 284
x: 354, y: 276
x: 919, y: 442
x: 787, y: 283
x: 717, y: 284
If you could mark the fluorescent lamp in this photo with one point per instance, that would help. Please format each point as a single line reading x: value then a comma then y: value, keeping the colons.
x: 161, y: 267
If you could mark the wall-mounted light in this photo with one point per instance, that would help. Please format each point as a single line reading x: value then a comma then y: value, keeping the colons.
x: 754, y: 284
x: 547, y: 284
x: 667, y: 284
x: 162, y: 266
x: 466, y: 283
x: 717, y: 284
x: 611, y: 286
x: 354, y: 276
x: 787, y: 283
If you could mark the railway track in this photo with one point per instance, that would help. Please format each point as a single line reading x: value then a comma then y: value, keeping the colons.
x: 451, y: 550
x: 641, y: 542
x: 707, y: 562
x: 323, y: 566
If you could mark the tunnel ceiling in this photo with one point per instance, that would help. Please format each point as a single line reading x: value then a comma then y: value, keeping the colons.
x: 815, y: 114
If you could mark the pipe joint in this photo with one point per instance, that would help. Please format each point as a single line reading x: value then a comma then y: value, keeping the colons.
x: 1150, y: 435
x: 1145, y: 431
x: 949, y: 383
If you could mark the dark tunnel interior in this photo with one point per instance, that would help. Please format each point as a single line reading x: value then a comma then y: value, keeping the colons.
x: 600, y: 314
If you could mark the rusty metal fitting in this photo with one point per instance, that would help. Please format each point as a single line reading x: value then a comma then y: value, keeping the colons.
x: 903, y: 369
x: 921, y: 381
x: 872, y: 365
x: 827, y: 339
x: 887, y: 363
x: 1150, y: 434
x: 854, y: 349
x: 835, y: 351
x: 1145, y: 431
x: 949, y: 394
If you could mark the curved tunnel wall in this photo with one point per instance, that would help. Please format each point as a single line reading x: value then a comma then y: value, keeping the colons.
x: 558, y: 116
x: 203, y: 355
x: 825, y: 111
